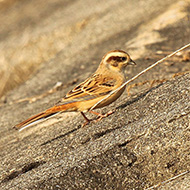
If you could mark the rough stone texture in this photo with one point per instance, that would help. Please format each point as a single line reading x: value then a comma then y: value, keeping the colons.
x: 145, y: 142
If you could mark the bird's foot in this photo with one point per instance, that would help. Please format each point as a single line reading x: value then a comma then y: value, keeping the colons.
x: 101, y: 116
x: 87, y: 121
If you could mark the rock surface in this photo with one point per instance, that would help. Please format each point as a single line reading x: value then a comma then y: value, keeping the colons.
x: 144, y: 143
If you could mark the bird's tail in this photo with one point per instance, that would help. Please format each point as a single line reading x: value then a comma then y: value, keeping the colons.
x: 42, y: 116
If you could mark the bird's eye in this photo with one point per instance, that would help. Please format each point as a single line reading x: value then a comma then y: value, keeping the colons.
x: 123, y: 58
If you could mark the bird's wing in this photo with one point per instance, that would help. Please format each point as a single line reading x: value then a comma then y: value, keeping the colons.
x: 95, y: 86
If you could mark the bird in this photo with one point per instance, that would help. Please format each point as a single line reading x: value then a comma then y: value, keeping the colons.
x: 93, y: 92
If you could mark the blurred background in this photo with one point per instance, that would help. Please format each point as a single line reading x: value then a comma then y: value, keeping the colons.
x: 33, y: 32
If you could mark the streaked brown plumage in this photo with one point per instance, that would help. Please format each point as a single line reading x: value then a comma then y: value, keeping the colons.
x: 108, y: 77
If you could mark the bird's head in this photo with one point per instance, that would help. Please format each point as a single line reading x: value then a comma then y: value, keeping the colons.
x: 117, y: 60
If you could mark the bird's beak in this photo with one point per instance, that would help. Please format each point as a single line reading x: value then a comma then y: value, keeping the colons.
x: 131, y: 62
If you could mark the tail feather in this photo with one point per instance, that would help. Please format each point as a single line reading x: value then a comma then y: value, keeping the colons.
x: 44, y: 115
x: 33, y: 120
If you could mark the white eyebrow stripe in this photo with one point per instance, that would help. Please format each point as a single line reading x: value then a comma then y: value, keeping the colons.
x: 119, y: 54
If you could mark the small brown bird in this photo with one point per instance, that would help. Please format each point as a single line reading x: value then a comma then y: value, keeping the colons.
x: 109, y: 76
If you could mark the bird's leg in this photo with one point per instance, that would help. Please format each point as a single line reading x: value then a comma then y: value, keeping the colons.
x: 100, y: 116
x: 87, y: 120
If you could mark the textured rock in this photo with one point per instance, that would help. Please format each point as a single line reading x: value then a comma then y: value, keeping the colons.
x: 145, y: 142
